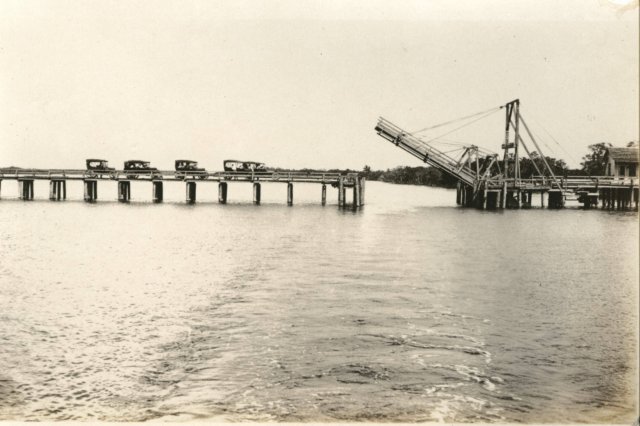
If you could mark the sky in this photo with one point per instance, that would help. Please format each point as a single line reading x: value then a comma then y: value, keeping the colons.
x: 301, y: 84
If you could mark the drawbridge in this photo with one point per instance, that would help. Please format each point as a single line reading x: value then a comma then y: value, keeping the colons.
x: 486, y: 180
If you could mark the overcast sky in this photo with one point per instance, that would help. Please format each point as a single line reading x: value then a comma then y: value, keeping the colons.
x: 302, y: 83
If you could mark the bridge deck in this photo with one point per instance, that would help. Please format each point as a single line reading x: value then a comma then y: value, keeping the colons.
x: 171, y: 175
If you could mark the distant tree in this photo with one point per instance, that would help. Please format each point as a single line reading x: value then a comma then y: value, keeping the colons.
x: 593, y: 163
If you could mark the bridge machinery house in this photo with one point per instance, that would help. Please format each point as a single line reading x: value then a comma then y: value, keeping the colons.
x: 622, y: 162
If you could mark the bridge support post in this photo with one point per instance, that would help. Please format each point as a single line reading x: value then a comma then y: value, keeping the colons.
x: 124, y: 191
x: 57, y: 189
x: 25, y: 189
x: 458, y: 193
x: 289, y: 194
x: 157, y: 191
x: 363, y: 180
x: 323, y: 198
x: 222, y: 192
x: 340, y: 192
x: 356, y: 193
x: 256, y: 193
x: 191, y: 192
x: 555, y: 199
x: 504, y: 196
x: 90, y: 190
x: 542, y: 199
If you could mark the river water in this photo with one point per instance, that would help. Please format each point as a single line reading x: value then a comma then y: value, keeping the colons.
x: 411, y: 309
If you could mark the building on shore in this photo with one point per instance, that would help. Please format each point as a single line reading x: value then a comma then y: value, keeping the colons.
x: 622, y: 163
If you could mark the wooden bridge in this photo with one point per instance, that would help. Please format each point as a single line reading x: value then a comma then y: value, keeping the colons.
x: 486, y: 181
x: 58, y: 182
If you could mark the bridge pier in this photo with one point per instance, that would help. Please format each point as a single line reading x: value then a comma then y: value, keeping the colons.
x: 324, y: 194
x: 124, y: 191
x: 157, y: 191
x: 341, y: 192
x: 555, y: 199
x: 503, y: 196
x: 25, y: 189
x: 256, y: 193
x: 90, y: 190
x: 191, y: 192
x: 57, y: 189
x: 362, y: 182
x: 289, y: 194
x: 222, y: 192
x: 356, y: 194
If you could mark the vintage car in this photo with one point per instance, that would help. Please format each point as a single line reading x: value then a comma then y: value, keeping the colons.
x: 188, y: 168
x: 99, y: 168
x: 243, y: 166
x: 140, y: 168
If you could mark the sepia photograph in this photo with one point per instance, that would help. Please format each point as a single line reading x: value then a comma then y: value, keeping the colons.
x: 320, y: 211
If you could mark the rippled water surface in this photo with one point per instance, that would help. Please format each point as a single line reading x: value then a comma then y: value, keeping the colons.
x: 409, y: 310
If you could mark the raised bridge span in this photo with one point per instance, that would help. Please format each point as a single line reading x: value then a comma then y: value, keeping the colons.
x: 487, y: 181
x: 58, y: 183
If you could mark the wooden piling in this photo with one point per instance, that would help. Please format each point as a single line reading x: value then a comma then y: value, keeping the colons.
x: 90, y: 190
x: 324, y: 194
x: 256, y: 193
x: 289, y: 193
x: 363, y: 180
x: 25, y: 189
x: 504, y: 195
x: 356, y: 193
x: 124, y: 191
x: 341, y: 192
x: 57, y: 189
x: 191, y: 192
x: 157, y: 191
x: 222, y: 192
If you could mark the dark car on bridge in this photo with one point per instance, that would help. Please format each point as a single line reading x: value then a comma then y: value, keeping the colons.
x: 188, y: 168
x: 99, y: 168
x: 137, y: 168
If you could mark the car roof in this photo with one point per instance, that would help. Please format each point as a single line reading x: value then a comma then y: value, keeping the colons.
x: 95, y: 159
x: 188, y: 161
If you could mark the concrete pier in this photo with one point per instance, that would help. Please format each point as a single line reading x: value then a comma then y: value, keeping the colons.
x: 57, y: 189
x: 124, y: 191
x: 289, y: 194
x: 25, y: 189
x: 222, y: 192
x: 90, y: 190
x: 256, y: 193
x: 191, y: 192
x: 158, y: 191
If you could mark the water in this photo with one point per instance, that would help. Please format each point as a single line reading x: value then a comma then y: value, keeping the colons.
x: 408, y: 310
